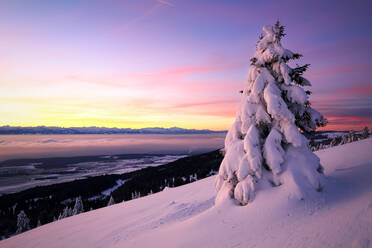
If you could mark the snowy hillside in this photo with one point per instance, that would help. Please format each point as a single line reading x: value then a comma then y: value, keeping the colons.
x: 341, y: 216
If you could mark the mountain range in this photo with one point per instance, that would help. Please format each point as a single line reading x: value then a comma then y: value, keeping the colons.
x: 100, y: 130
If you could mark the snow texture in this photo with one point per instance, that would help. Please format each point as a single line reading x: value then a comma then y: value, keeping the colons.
x: 264, y: 146
x: 185, y: 216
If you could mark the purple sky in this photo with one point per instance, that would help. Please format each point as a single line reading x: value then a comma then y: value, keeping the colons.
x: 172, y: 62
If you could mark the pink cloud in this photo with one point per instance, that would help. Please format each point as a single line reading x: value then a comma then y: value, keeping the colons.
x: 205, y: 103
x: 347, y: 123
x: 342, y: 69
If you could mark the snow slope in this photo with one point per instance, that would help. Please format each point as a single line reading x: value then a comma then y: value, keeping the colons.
x: 340, y: 216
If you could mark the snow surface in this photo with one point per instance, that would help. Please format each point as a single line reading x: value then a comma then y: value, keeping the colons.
x: 340, y: 216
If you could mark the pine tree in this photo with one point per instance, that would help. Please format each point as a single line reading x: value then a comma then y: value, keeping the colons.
x: 23, y: 222
x: 333, y: 142
x: 264, y: 146
x: 111, y: 201
x: 344, y: 139
x: 365, y: 133
x: 351, y: 136
x: 78, y: 208
x: 66, y: 213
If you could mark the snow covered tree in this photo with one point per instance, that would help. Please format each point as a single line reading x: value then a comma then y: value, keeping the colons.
x: 333, y: 142
x: 136, y: 195
x: 78, y: 208
x: 265, y: 146
x: 344, y: 139
x: 66, y: 213
x: 351, y: 137
x: 23, y: 222
x: 365, y: 133
x: 111, y: 201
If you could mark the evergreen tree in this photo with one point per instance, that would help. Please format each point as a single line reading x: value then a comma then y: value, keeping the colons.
x: 66, y: 213
x: 333, y: 142
x: 344, y: 139
x: 111, y: 201
x: 365, y: 133
x: 23, y: 222
x: 264, y: 146
x: 351, y: 136
x: 78, y: 208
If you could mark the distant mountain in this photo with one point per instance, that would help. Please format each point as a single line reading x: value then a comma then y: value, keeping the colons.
x: 100, y: 130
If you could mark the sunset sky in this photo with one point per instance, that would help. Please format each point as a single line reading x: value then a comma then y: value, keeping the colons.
x: 171, y: 62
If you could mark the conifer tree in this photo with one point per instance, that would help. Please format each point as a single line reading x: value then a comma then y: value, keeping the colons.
x: 78, y: 208
x: 265, y: 145
x: 344, y: 139
x: 365, y: 133
x: 351, y: 136
x: 23, y: 222
x: 333, y: 142
x: 66, y: 213
x: 111, y: 201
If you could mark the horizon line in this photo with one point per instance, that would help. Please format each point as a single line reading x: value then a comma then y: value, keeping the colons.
x: 128, y: 128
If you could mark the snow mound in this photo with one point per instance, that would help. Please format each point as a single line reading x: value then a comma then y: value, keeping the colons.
x: 340, y: 216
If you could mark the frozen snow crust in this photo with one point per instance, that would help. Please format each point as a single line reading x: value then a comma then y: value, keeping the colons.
x: 264, y: 147
x: 341, y: 215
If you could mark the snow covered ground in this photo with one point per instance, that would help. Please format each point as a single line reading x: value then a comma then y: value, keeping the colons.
x: 341, y: 215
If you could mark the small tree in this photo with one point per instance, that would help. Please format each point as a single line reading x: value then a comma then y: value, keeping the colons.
x: 66, y: 213
x: 351, y: 136
x: 344, y: 139
x: 23, y: 222
x: 365, y: 133
x: 264, y: 146
x: 333, y: 142
x: 111, y: 201
x: 78, y: 208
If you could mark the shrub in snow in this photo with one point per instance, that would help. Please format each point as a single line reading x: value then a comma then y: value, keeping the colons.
x: 78, y: 208
x: 23, y: 222
x: 264, y: 146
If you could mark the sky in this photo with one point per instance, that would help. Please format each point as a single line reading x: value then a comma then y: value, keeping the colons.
x: 168, y: 63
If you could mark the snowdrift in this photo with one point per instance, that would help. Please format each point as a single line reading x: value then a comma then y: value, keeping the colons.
x: 340, y: 216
